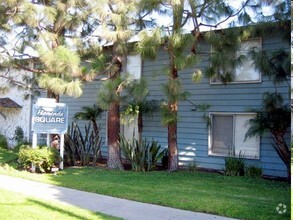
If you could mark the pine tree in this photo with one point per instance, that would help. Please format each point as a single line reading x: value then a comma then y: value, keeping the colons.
x: 182, y: 48
x: 48, y: 36
x: 116, y: 18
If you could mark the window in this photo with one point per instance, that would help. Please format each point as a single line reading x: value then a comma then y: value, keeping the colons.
x: 133, y: 66
x: 227, y: 136
x: 245, y: 71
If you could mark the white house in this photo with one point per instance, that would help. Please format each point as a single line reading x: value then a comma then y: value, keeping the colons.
x: 15, y: 107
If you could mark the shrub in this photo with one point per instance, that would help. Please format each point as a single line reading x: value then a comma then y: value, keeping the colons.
x: 234, y: 166
x: 18, y: 135
x: 192, y: 166
x: 3, y: 142
x: 143, y: 155
x: 42, y: 157
x: 253, y: 171
x: 81, y: 149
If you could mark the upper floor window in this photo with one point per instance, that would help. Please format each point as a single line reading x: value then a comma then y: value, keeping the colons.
x: 238, y: 66
x: 134, y: 66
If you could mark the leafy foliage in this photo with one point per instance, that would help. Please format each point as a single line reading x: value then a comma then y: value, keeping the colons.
x: 52, y: 52
x: 109, y: 92
x: 91, y: 114
x: 275, y: 64
x: 42, y: 157
x: 82, y: 149
x: 3, y: 142
x: 143, y: 155
x: 273, y: 117
x: 234, y: 166
x: 149, y: 43
x: 253, y: 171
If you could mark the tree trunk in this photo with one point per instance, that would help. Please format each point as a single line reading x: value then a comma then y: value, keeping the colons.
x: 140, y: 126
x: 283, y: 151
x: 172, y: 145
x: 172, y: 127
x: 52, y: 95
x: 114, y: 156
x: 97, y: 131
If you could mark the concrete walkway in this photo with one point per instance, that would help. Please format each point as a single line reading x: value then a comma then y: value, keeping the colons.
x: 122, y: 208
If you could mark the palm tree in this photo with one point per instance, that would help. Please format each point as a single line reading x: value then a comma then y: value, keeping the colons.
x: 138, y: 105
x: 273, y: 117
x: 91, y: 114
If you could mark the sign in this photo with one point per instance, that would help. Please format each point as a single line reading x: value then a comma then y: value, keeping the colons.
x: 49, y: 117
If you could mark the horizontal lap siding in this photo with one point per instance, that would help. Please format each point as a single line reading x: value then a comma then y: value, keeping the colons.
x: 192, y: 128
x: 88, y: 98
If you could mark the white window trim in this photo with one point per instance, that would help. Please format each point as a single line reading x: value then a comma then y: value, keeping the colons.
x: 246, y: 81
x: 210, y: 153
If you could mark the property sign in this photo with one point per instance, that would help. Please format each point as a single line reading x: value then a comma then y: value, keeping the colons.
x: 49, y: 117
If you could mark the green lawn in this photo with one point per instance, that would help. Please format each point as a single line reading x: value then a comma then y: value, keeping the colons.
x: 238, y: 197
x: 17, y: 206
x: 7, y: 156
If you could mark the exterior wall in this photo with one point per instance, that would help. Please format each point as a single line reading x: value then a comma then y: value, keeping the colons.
x: 192, y: 128
x: 16, y: 117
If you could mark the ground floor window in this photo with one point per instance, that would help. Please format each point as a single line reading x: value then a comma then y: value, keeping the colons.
x: 227, y: 136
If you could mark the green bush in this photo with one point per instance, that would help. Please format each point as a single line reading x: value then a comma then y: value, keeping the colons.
x: 234, y: 166
x: 18, y: 135
x: 253, y: 171
x: 3, y: 142
x: 42, y: 157
x: 142, y: 156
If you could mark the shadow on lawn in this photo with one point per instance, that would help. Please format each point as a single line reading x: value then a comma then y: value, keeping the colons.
x: 56, y: 209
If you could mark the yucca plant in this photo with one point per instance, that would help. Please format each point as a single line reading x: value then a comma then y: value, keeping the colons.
x: 134, y: 151
x: 82, y: 148
x: 143, y: 155
x: 153, y: 155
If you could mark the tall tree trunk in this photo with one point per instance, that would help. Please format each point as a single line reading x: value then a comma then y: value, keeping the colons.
x: 172, y: 145
x: 114, y: 156
x: 172, y: 127
x: 140, y: 126
x: 97, y: 131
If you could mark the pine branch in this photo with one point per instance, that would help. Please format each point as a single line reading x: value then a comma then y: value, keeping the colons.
x: 227, y: 18
x: 33, y: 70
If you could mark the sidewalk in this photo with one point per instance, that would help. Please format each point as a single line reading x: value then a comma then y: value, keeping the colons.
x: 122, y: 208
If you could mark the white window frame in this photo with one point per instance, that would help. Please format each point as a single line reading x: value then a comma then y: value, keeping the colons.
x: 256, y: 139
x: 218, y: 81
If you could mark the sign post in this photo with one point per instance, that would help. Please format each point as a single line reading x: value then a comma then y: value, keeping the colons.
x: 49, y: 117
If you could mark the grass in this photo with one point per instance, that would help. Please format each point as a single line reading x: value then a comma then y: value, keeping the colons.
x: 17, y: 206
x: 237, y: 197
x: 7, y: 156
